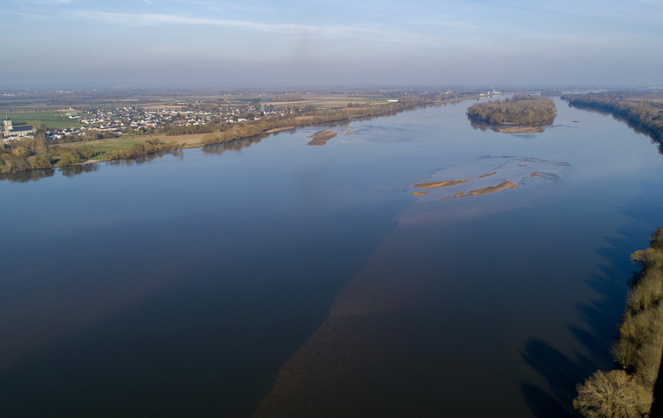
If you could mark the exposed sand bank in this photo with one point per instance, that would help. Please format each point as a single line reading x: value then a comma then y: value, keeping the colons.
x: 321, y: 137
x: 486, y: 190
x: 285, y: 128
x: 448, y: 183
x: 502, y: 173
x: 520, y: 129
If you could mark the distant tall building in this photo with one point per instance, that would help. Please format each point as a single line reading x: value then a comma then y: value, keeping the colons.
x: 18, y: 132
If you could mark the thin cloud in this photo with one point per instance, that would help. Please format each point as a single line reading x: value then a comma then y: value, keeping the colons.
x: 47, y: 2
x: 276, y: 28
x: 445, y: 23
x: 29, y: 16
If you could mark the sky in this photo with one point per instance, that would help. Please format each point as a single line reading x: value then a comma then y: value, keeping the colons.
x: 330, y: 43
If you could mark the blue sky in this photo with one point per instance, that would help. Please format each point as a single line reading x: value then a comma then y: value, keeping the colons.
x: 331, y: 43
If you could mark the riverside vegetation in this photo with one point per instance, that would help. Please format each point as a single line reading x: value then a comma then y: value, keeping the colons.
x: 628, y: 390
x: 517, y: 110
x: 642, y: 111
x: 33, y: 153
x: 36, y: 153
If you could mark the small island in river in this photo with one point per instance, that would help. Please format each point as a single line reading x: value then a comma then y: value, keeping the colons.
x: 321, y: 137
x: 532, y: 111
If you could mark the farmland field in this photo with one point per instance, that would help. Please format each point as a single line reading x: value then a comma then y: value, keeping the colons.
x: 51, y: 119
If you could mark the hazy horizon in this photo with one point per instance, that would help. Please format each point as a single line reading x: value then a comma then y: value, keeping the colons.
x: 173, y: 43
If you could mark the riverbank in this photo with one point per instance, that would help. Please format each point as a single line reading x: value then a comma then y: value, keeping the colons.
x: 628, y: 390
x: 644, y: 114
x: 33, y: 154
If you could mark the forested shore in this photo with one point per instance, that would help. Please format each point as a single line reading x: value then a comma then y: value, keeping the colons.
x: 642, y: 112
x: 35, y: 153
x: 516, y: 110
x: 627, y: 391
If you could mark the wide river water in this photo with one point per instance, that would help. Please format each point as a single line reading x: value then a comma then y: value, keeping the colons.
x: 268, y: 277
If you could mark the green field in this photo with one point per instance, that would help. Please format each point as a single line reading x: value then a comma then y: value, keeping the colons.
x: 102, y: 149
x: 52, y: 119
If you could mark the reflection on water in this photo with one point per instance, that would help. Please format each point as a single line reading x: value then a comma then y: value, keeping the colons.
x: 236, y: 145
x: 75, y: 170
x: 634, y: 126
x: 27, y: 176
x: 128, y: 162
x: 512, y: 129
x: 499, y: 173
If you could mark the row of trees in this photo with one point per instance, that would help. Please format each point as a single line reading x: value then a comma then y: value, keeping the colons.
x: 643, y: 114
x: 206, y: 128
x: 287, y: 97
x: 627, y: 391
x: 32, y: 153
x: 516, y: 110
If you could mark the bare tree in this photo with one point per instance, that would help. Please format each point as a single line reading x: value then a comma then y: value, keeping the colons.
x: 613, y: 394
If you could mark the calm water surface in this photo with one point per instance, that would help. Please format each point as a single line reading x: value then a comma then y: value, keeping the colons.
x: 271, y: 278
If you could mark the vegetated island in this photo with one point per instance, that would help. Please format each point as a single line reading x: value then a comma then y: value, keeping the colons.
x: 37, y: 152
x: 642, y: 111
x: 517, y: 110
x: 627, y: 390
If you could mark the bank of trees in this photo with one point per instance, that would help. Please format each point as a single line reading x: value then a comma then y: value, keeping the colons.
x: 32, y: 153
x: 517, y: 110
x: 640, y: 112
x: 174, y: 129
x: 627, y: 391
x: 288, y: 97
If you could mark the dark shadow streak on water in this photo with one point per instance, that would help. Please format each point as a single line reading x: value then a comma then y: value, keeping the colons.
x: 601, y: 316
x: 561, y: 373
x: 543, y: 405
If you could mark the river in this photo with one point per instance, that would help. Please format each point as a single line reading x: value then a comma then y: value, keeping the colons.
x: 268, y: 277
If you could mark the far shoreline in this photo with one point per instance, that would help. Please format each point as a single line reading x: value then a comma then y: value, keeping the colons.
x: 128, y: 147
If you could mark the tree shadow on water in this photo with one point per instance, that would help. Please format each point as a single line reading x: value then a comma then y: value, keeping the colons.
x: 542, y: 404
x: 601, y: 315
x: 596, y: 331
x: 561, y: 374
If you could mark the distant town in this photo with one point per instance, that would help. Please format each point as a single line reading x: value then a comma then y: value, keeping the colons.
x: 152, y: 115
x: 99, y: 123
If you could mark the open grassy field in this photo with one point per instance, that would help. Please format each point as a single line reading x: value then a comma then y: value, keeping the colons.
x: 52, y: 119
